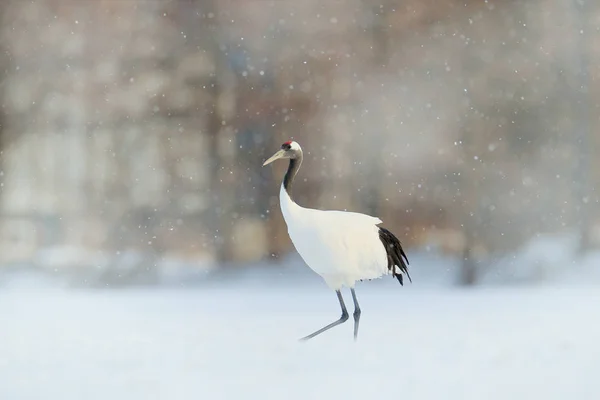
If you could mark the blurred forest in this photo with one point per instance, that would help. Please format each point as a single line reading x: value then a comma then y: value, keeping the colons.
x: 133, y: 132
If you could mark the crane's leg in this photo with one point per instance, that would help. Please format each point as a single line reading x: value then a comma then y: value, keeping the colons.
x: 356, y: 313
x: 342, y: 319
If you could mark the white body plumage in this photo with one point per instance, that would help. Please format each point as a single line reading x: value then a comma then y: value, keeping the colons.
x: 342, y: 247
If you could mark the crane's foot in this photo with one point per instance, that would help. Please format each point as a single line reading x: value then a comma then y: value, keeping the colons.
x: 342, y: 319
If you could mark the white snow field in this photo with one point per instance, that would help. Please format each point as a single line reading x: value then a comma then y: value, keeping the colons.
x: 240, y: 342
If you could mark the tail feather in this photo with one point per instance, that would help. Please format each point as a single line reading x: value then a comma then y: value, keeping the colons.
x: 395, y: 255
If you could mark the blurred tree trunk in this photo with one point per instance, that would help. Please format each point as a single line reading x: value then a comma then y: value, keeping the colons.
x: 220, y: 139
x: 6, y: 138
x: 379, y: 32
x: 470, y: 197
x: 220, y: 196
x: 381, y: 54
x: 468, y: 270
x: 582, y: 125
x: 4, y: 62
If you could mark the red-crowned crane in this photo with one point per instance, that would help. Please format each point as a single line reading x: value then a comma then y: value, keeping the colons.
x: 342, y: 247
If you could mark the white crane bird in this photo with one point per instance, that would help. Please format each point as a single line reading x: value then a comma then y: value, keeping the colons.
x: 342, y: 247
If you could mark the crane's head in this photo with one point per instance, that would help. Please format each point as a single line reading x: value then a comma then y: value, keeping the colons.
x: 289, y: 149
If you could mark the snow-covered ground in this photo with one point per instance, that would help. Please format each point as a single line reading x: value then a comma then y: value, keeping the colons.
x: 239, y: 341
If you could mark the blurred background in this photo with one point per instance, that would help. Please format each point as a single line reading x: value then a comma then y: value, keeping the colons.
x: 132, y: 133
x: 132, y: 137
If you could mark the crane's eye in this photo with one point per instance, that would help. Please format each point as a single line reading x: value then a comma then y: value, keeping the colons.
x: 286, y: 146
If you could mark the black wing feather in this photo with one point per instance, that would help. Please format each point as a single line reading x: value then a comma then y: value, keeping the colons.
x: 395, y: 254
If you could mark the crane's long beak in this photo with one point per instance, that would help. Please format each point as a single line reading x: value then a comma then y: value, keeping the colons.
x: 276, y: 156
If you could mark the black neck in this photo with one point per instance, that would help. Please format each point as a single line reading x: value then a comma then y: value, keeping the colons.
x: 293, y: 168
